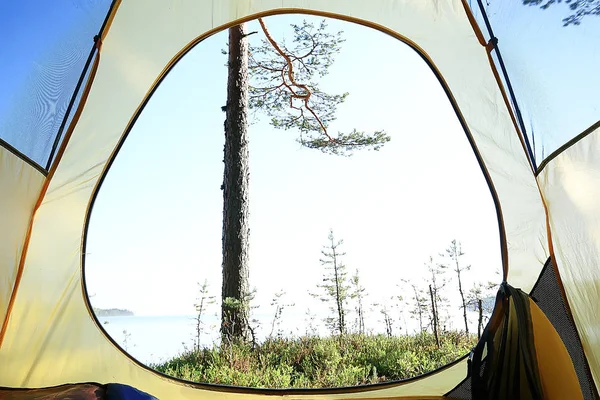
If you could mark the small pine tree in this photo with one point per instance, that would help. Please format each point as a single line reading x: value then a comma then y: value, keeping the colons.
x: 336, y: 288
x: 388, y: 321
x: 437, y: 283
x: 359, y: 294
x: 234, y: 309
x: 454, y: 253
x: 311, y: 329
x: 397, y: 302
x: 204, y: 301
x: 479, y: 298
x: 419, y: 304
x: 279, y: 307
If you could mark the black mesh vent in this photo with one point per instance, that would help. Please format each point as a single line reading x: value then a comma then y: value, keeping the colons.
x: 46, y: 45
x: 548, y: 296
x: 463, y: 390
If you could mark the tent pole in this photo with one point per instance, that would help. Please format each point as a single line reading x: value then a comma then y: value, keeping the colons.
x: 513, y: 98
x: 93, y: 51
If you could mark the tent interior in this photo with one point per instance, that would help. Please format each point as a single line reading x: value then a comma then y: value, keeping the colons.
x: 521, y: 78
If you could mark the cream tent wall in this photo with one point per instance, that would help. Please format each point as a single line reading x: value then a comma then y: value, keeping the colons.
x: 50, y: 336
x: 20, y: 186
x: 570, y: 183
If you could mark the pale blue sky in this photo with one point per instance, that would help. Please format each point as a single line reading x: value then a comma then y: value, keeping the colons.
x: 155, y: 230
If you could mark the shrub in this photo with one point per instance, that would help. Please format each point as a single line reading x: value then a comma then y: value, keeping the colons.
x: 313, y: 362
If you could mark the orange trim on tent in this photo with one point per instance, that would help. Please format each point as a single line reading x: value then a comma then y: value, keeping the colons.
x: 489, y: 46
x: 474, y: 24
x: 59, y: 155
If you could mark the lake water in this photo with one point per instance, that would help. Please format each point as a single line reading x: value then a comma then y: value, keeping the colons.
x: 152, y: 339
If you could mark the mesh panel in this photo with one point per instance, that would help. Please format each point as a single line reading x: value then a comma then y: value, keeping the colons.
x: 47, y: 45
x: 58, y: 140
x: 548, y: 297
x: 463, y: 390
x: 552, y: 67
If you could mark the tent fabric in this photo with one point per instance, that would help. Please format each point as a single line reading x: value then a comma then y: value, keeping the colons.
x: 20, y: 185
x: 43, y: 69
x: 570, y: 183
x: 51, y: 323
x: 552, y: 68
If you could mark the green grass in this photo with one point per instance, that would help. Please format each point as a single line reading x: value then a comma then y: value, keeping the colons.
x: 314, y: 362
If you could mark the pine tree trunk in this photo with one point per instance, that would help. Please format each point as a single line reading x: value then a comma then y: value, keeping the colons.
x: 435, y: 317
x: 361, y: 317
x: 464, y: 303
x: 480, y: 321
x: 236, y: 231
x: 338, y: 295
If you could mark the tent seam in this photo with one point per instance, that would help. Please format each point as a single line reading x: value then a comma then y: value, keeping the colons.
x: 566, y: 146
x: 49, y: 177
x: 563, y: 292
x: 4, y: 144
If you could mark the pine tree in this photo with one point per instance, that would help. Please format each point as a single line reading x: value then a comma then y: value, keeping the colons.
x: 454, y: 253
x: 204, y: 301
x: 359, y: 294
x: 282, y: 83
x: 437, y: 283
x: 279, y: 305
x: 388, y: 321
x: 419, y: 304
x: 480, y: 298
x: 335, y: 286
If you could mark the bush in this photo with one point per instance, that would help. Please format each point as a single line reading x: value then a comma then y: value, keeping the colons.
x: 313, y: 362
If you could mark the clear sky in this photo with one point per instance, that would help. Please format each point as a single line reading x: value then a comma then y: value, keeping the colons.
x: 155, y: 230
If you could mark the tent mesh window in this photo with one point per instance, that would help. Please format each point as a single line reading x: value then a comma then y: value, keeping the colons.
x: 548, y: 296
x: 43, y: 70
x: 537, y: 49
x: 463, y: 390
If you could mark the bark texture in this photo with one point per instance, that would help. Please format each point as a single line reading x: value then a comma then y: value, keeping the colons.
x: 236, y: 231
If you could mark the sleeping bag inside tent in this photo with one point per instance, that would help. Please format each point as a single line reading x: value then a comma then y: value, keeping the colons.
x: 521, y: 76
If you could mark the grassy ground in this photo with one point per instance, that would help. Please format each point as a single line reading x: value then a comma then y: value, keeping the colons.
x: 313, y: 362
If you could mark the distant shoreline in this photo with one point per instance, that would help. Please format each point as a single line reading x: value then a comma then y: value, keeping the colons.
x: 112, y: 312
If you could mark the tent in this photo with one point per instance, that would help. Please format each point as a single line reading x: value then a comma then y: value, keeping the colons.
x: 519, y: 82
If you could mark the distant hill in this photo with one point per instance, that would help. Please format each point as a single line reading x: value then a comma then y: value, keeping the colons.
x: 112, y: 312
